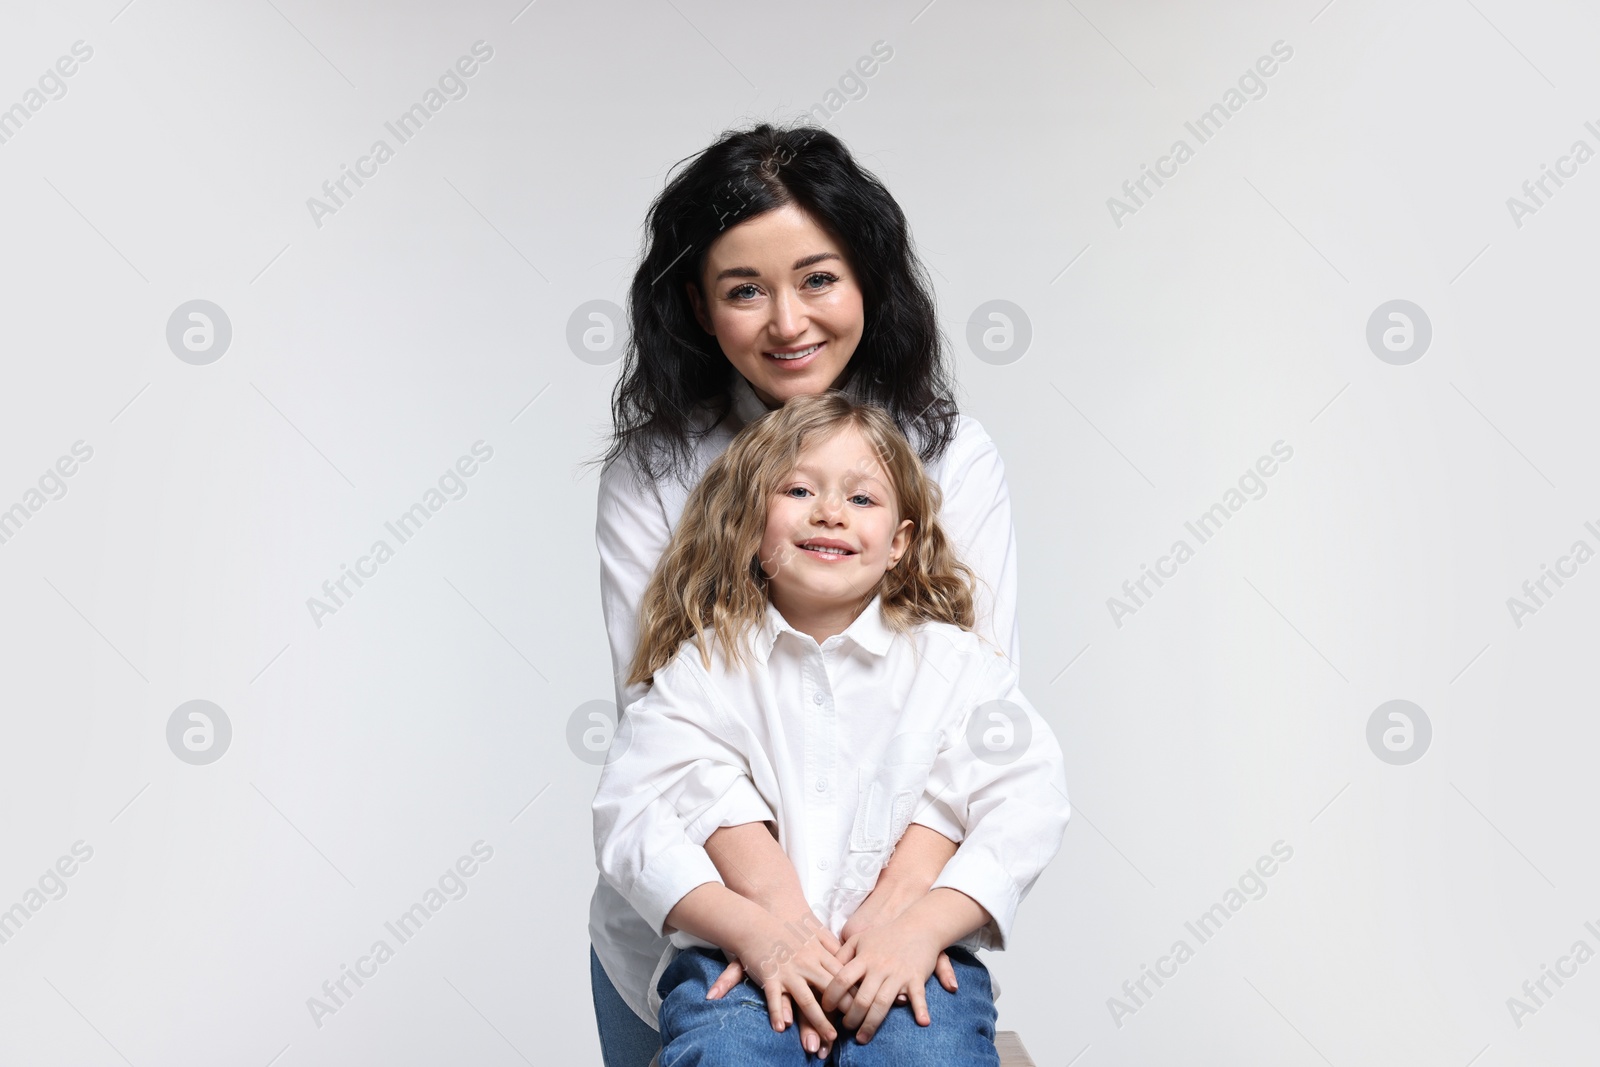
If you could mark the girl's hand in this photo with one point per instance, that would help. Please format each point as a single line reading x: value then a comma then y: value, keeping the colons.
x: 786, y: 970
x: 884, y: 962
x: 733, y: 974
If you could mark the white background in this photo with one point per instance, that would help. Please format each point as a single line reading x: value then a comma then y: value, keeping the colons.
x: 1167, y: 355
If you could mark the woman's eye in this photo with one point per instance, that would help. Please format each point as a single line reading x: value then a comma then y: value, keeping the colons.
x: 743, y: 292
x: 822, y: 279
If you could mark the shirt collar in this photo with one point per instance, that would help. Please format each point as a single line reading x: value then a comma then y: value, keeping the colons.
x: 869, y: 631
x: 747, y: 407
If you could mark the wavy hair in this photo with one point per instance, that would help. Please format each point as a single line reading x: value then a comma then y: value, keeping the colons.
x: 674, y: 372
x: 709, y: 585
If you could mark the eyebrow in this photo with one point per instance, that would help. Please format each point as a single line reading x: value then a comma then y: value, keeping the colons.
x: 799, y: 264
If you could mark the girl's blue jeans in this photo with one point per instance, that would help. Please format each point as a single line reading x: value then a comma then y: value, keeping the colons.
x: 735, y: 1031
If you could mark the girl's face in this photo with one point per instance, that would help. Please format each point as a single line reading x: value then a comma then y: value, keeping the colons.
x: 779, y: 296
x: 833, y: 529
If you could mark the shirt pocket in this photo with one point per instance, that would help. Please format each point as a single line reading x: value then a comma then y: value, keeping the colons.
x: 891, y: 791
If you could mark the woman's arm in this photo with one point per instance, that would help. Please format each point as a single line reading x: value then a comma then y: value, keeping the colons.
x: 1015, y: 812
x: 976, y: 514
x: 631, y: 532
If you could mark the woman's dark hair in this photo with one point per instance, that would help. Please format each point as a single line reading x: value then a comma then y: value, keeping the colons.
x: 672, y: 367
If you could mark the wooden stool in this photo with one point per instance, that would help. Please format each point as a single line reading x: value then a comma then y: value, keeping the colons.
x: 1012, y: 1054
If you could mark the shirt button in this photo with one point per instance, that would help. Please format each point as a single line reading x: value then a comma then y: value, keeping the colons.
x: 816, y: 698
x: 822, y: 865
x: 822, y: 785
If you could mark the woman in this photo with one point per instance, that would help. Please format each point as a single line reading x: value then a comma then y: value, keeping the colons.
x: 774, y: 267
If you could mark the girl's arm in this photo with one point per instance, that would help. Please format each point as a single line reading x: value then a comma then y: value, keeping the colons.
x: 673, y: 767
x: 976, y: 515
x: 912, y: 868
x: 1014, y: 812
x: 911, y: 871
x: 754, y: 865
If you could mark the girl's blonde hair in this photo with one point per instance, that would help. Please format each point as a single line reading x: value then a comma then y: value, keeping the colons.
x: 709, y: 585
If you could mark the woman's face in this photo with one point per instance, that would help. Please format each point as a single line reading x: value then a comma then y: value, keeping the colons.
x: 782, y: 301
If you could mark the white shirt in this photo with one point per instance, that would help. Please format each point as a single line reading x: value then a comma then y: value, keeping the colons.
x: 842, y: 745
x: 632, y: 528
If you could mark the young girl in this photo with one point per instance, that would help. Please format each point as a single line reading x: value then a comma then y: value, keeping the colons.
x: 806, y: 589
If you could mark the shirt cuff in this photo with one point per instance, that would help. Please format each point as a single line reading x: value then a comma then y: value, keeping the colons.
x: 936, y: 816
x: 741, y: 804
x: 986, y: 881
x: 667, y: 879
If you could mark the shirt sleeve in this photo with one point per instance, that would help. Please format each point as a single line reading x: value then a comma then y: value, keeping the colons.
x: 672, y: 774
x: 976, y: 514
x: 742, y: 803
x: 1000, y: 772
x: 631, y: 533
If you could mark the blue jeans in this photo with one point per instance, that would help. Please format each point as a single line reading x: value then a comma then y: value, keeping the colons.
x: 625, y: 1039
x: 735, y: 1031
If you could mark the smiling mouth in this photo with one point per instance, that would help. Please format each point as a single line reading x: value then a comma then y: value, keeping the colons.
x: 785, y: 356
x: 828, y: 551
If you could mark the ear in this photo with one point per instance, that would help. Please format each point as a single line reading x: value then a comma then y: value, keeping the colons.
x: 900, y: 542
x: 698, y: 303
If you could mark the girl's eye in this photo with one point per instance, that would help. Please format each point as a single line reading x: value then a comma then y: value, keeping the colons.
x: 823, y: 278
x: 860, y: 499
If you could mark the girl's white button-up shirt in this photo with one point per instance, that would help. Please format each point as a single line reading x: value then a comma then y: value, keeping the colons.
x: 842, y: 745
x: 633, y: 525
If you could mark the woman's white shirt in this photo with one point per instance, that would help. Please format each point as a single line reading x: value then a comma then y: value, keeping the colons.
x: 842, y: 745
x: 634, y: 522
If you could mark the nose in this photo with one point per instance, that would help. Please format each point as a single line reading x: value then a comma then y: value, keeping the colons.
x: 829, y: 508
x: 788, y: 316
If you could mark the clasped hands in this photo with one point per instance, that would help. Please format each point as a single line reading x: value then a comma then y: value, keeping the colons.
x: 885, y: 954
